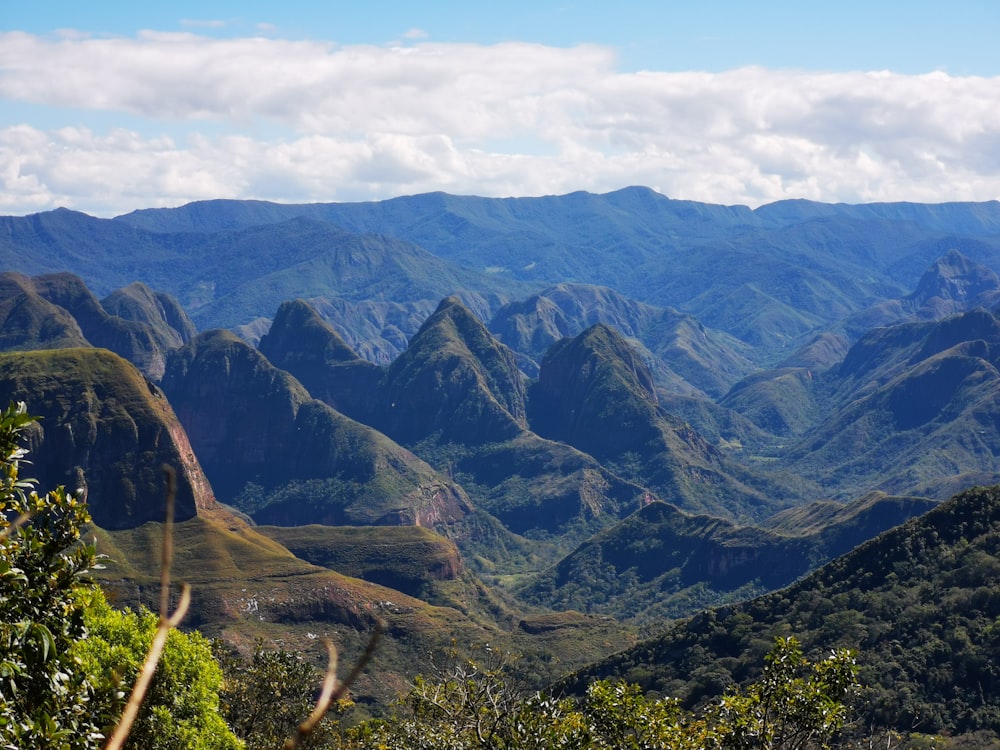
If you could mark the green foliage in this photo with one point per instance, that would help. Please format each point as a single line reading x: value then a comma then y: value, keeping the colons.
x: 474, y: 705
x: 920, y: 604
x: 620, y: 716
x: 45, y: 691
x: 181, y: 709
x: 785, y: 709
x: 266, y: 698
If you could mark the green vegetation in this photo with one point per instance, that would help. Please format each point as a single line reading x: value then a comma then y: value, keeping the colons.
x: 595, y: 393
x: 661, y: 563
x: 410, y: 559
x: 264, y: 698
x: 919, y: 604
x: 181, y: 708
x: 66, y: 657
x: 28, y: 321
x: 45, y: 693
x: 911, y: 408
x: 473, y: 704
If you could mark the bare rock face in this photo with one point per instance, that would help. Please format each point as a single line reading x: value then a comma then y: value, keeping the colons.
x: 104, y: 429
x: 955, y: 283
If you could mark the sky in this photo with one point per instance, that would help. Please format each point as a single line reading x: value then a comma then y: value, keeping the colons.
x: 108, y: 107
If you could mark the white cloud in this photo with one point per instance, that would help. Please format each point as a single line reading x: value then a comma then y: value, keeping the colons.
x: 310, y: 121
x: 193, y: 23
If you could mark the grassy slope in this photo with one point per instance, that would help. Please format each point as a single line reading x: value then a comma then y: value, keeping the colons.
x: 247, y: 586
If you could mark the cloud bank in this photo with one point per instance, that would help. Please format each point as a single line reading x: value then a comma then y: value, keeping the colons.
x: 194, y: 117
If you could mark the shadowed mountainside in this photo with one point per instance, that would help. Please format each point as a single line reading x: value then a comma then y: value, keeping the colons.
x: 29, y: 321
x: 683, y: 355
x: 106, y: 429
x: 305, y: 345
x: 662, y: 563
x: 75, y: 317
x: 912, y: 407
x: 595, y: 394
x: 284, y: 457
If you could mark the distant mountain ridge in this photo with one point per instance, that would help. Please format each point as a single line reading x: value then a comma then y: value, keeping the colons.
x: 791, y: 269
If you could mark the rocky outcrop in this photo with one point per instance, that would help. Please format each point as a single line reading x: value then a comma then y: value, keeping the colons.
x: 27, y: 321
x: 161, y: 311
x: 952, y: 284
x: 594, y: 393
x: 955, y: 283
x: 137, y: 341
x: 536, y: 323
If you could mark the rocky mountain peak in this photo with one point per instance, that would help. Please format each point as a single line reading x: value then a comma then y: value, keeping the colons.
x: 308, y: 347
x: 299, y: 331
x: 161, y: 311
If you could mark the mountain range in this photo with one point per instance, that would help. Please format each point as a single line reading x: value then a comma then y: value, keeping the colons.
x: 545, y: 423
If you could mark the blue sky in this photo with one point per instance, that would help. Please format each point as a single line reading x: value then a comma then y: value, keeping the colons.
x: 110, y: 106
x: 715, y: 35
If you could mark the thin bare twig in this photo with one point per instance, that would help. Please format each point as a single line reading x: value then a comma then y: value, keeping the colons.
x: 331, y: 691
x: 120, y: 735
x: 15, y: 525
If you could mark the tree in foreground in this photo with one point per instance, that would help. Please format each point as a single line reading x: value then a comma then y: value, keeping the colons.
x: 67, y: 660
x: 267, y: 696
x: 45, y: 692
x: 181, y: 708
x: 795, y: 705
